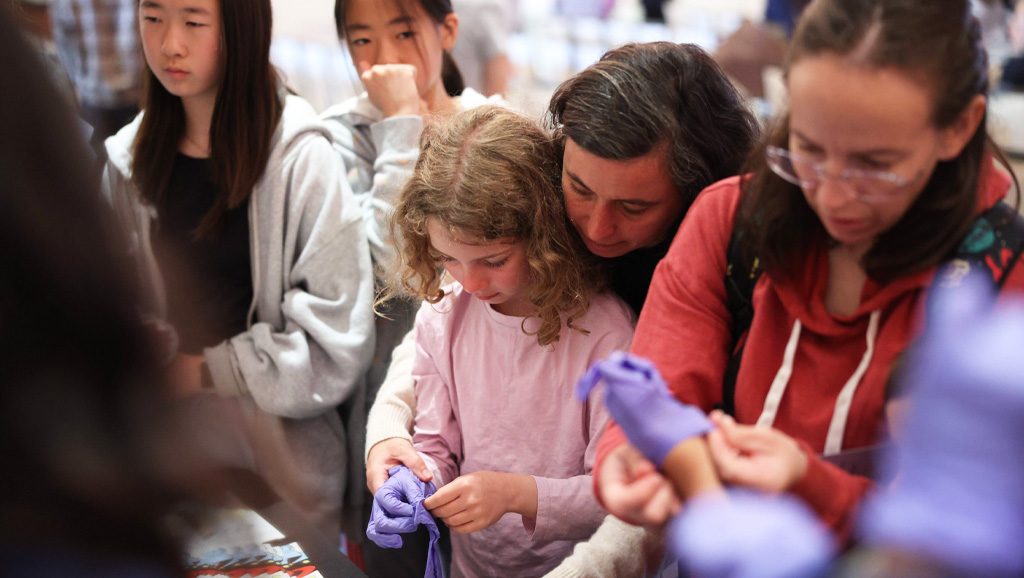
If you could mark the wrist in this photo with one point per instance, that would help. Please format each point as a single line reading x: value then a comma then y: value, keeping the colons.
x: 800, y: 464
x: 521, y: 494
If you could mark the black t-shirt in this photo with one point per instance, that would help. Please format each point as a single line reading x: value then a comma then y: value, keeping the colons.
x: 631, y: 273
x: 208, y: 278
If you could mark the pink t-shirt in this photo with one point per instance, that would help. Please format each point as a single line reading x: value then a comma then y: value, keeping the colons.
x: 489, y: 398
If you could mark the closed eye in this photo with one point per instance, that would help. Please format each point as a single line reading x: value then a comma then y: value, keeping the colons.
x: 496, y: 264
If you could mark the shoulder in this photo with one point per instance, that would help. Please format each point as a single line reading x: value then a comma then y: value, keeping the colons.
x: 120, y: 147
x: 609, y: 306
x: 357, y: 110
x: 439, y: 321
x: 718, y: 201
x: 301, y: 138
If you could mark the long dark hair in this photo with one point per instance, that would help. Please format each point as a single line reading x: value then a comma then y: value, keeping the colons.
x: 642, y: 96
x: 437, y: 10
x: 245, y: 116
x: 936, y: 42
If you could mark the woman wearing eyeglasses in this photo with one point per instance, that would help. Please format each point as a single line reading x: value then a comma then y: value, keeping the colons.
x: 874, y: 177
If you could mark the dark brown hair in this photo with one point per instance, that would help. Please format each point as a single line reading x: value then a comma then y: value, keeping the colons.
x: 641, y: 96
x: 935, y: 43
x: 437, y: 10
x: 494, y: 175
x: 245, y: 116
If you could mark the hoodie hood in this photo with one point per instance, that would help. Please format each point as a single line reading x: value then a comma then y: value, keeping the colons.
x: 804, y: 295
x: 365, y: 113
x: 298, y: 121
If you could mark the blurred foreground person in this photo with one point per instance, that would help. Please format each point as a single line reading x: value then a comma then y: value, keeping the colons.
x: 92, y: 457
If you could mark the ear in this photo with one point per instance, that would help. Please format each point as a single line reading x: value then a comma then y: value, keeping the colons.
x: 956, y: 137
x: 449, y: 31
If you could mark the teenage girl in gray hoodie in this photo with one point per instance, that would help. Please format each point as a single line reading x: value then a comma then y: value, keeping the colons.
x: 248, y: 239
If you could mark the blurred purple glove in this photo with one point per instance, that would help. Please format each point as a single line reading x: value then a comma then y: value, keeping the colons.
x: 750, y: 535
x: 638, y: 399
x: 959, y: 500
x: 398, y: 509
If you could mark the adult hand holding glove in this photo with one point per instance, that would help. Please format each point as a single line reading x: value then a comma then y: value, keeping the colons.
x: 638, y: 399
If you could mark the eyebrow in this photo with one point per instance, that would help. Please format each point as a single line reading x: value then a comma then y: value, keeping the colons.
x: 579, y: 182
x: 867, y: 153
x: 358, y: 27
x: 188, y: 10
x: 484, y: 258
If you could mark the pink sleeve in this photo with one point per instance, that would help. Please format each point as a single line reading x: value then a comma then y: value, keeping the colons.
x: 436, y: 433
x: 573, y: 499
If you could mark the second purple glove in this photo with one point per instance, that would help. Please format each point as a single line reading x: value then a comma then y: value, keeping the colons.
x: 638, y: 399
x: 398, y: 509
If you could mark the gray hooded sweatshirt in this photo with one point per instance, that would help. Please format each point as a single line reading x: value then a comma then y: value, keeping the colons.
x: 310, y: 328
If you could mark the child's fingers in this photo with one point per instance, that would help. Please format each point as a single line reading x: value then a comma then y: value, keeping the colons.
x: 438, y: 504
x: 448, y: 510
x: 458, y: 519
x: 467, y: 528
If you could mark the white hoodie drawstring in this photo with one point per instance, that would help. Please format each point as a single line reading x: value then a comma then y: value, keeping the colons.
x: 837, y: 428
x: 771, y: 403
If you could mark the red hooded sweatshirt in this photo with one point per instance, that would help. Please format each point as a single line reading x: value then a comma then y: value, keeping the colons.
x: 685, y: 327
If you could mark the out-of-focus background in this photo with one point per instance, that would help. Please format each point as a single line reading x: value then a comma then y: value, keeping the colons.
x: 547, y: 41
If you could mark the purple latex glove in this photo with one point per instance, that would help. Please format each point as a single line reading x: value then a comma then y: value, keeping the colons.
x: 638, y: 399
x: 959, y: 500
x: 750, y: 535
x: 398, y: 509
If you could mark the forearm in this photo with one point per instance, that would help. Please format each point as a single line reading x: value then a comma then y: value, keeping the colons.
x: 391, y: 415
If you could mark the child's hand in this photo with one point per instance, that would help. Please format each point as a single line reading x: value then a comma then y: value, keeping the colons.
x: 476, y: 501
x: 757, y: 457
x: 632, y: 489
x: 391, y: 88
x: 391, y: 452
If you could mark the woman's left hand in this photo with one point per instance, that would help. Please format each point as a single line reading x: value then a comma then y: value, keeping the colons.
x: 757, y: 457
x: 476, y: 501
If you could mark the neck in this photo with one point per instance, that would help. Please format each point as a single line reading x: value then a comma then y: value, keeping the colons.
x: 198, y: 119
x: 438, y: 101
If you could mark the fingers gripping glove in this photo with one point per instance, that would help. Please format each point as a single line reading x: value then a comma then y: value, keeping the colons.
x: 637, y: 398
x: 398, y: 509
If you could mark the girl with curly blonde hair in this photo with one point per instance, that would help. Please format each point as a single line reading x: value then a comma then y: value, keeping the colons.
x: 500, y: 348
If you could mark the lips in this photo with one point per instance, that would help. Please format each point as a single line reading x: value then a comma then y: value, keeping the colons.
x: 176, y: 73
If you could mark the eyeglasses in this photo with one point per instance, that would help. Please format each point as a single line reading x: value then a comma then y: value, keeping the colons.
x: 868, y: 186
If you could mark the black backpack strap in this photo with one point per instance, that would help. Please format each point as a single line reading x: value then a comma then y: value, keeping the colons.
x: 740, y: 279
x: 994, y: 245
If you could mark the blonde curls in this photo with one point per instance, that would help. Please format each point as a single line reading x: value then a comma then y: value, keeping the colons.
x: 492, y: 174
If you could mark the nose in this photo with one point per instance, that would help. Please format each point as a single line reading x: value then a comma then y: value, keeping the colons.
x: 473, y: 279
x: 387, y: 52
x: 173, y: 46
x: 601, y: 222
x: 833, y: 192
